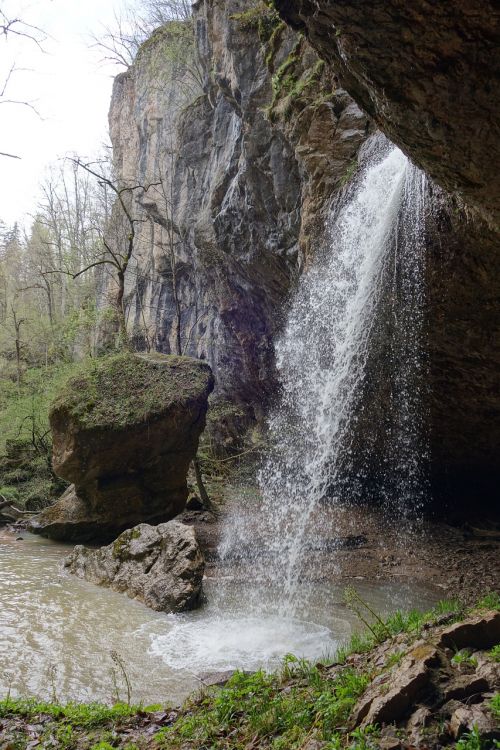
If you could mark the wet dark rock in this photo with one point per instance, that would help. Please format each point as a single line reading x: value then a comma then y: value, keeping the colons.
x: 429, y: 75
x: 161, y: 566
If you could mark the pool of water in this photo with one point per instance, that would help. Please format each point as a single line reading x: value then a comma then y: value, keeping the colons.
x: 58, y: 633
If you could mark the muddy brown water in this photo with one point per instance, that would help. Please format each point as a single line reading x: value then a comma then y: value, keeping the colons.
x: 57, y: 633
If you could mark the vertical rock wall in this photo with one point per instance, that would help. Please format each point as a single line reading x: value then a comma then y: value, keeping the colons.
x: 249, y: 156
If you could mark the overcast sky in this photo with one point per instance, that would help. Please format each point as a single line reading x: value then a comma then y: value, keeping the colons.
x: 67, y: 83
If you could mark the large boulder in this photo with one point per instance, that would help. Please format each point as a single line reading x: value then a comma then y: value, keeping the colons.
x: 124, y: 433
x: 161, y: 566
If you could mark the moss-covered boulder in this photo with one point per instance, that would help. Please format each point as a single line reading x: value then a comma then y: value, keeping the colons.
x: 124, y: 433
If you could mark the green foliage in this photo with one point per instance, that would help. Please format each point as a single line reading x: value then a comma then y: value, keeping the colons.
x: 490, y: 601
x: 378, y: 629
x: 464, y: 657
x: 283, y: 81
x: 470, y: 741
x: 494, y: 706
x: 261, y: 18
x: 364, y: 738
x: 19, y: 407
x: 86, y: 715
x: 394, y: 659
x: 292, y: 84
x: 495, y: 653
x: 273, y: 45
x: 283, y: 708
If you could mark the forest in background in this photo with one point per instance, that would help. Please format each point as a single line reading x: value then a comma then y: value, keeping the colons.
x: 62, y: 274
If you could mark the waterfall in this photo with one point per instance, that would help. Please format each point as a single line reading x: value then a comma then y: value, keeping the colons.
x: 364, y: 284
x: 347, y: 426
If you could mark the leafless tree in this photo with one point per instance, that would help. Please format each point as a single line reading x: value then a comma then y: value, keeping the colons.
x: 121, y: 41
x: 118, y: 240
x: 18, y: 28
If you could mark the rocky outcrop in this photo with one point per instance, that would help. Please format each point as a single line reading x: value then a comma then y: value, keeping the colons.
x: 161, y: 566
x: 425, y: 693
x: 428, y: 74
x: 124, y: 432
x: 248, y: 159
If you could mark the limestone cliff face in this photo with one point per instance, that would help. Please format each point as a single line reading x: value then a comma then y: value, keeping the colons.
x: 248, y: 157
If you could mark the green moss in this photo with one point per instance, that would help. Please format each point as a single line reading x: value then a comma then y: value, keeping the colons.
x: 349, y: 173
x: 120, y: 545
x: 273, y: 45
x: 293, y: 86
x: 168, y: 34
x: 125, y: 389
x: 261, y: 17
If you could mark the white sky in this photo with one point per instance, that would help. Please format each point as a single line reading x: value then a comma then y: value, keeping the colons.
x: 68, y: 84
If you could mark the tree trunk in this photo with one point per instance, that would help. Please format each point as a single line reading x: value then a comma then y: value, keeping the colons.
x: 207, y: 503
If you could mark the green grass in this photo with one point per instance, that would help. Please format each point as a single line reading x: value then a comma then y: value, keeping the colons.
x: 464, y: 657
x: 490, y: 601
x: 495, y: 706
x: 411, y: 623
x: 82, y: 715
x: 281, y: 710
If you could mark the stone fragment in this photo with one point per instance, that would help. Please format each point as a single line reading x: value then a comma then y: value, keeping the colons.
x: 479, y: 632
x: 403, y: 688
x: 418, y: 719
x: 124, y: 432
x: 161, y: 566
x: 467, y: 718
x: 490, y: 671
x: 464, y: 686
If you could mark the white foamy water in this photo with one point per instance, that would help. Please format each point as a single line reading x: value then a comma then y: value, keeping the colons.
x: 232, y: 642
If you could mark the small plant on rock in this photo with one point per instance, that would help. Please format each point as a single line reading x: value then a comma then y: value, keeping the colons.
x: 464, y: 657
x: 495, y: 653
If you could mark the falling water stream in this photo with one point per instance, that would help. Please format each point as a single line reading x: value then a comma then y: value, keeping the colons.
x: 362, y: 291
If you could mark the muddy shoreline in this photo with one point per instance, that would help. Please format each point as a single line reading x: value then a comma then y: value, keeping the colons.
x: 459, y: 561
